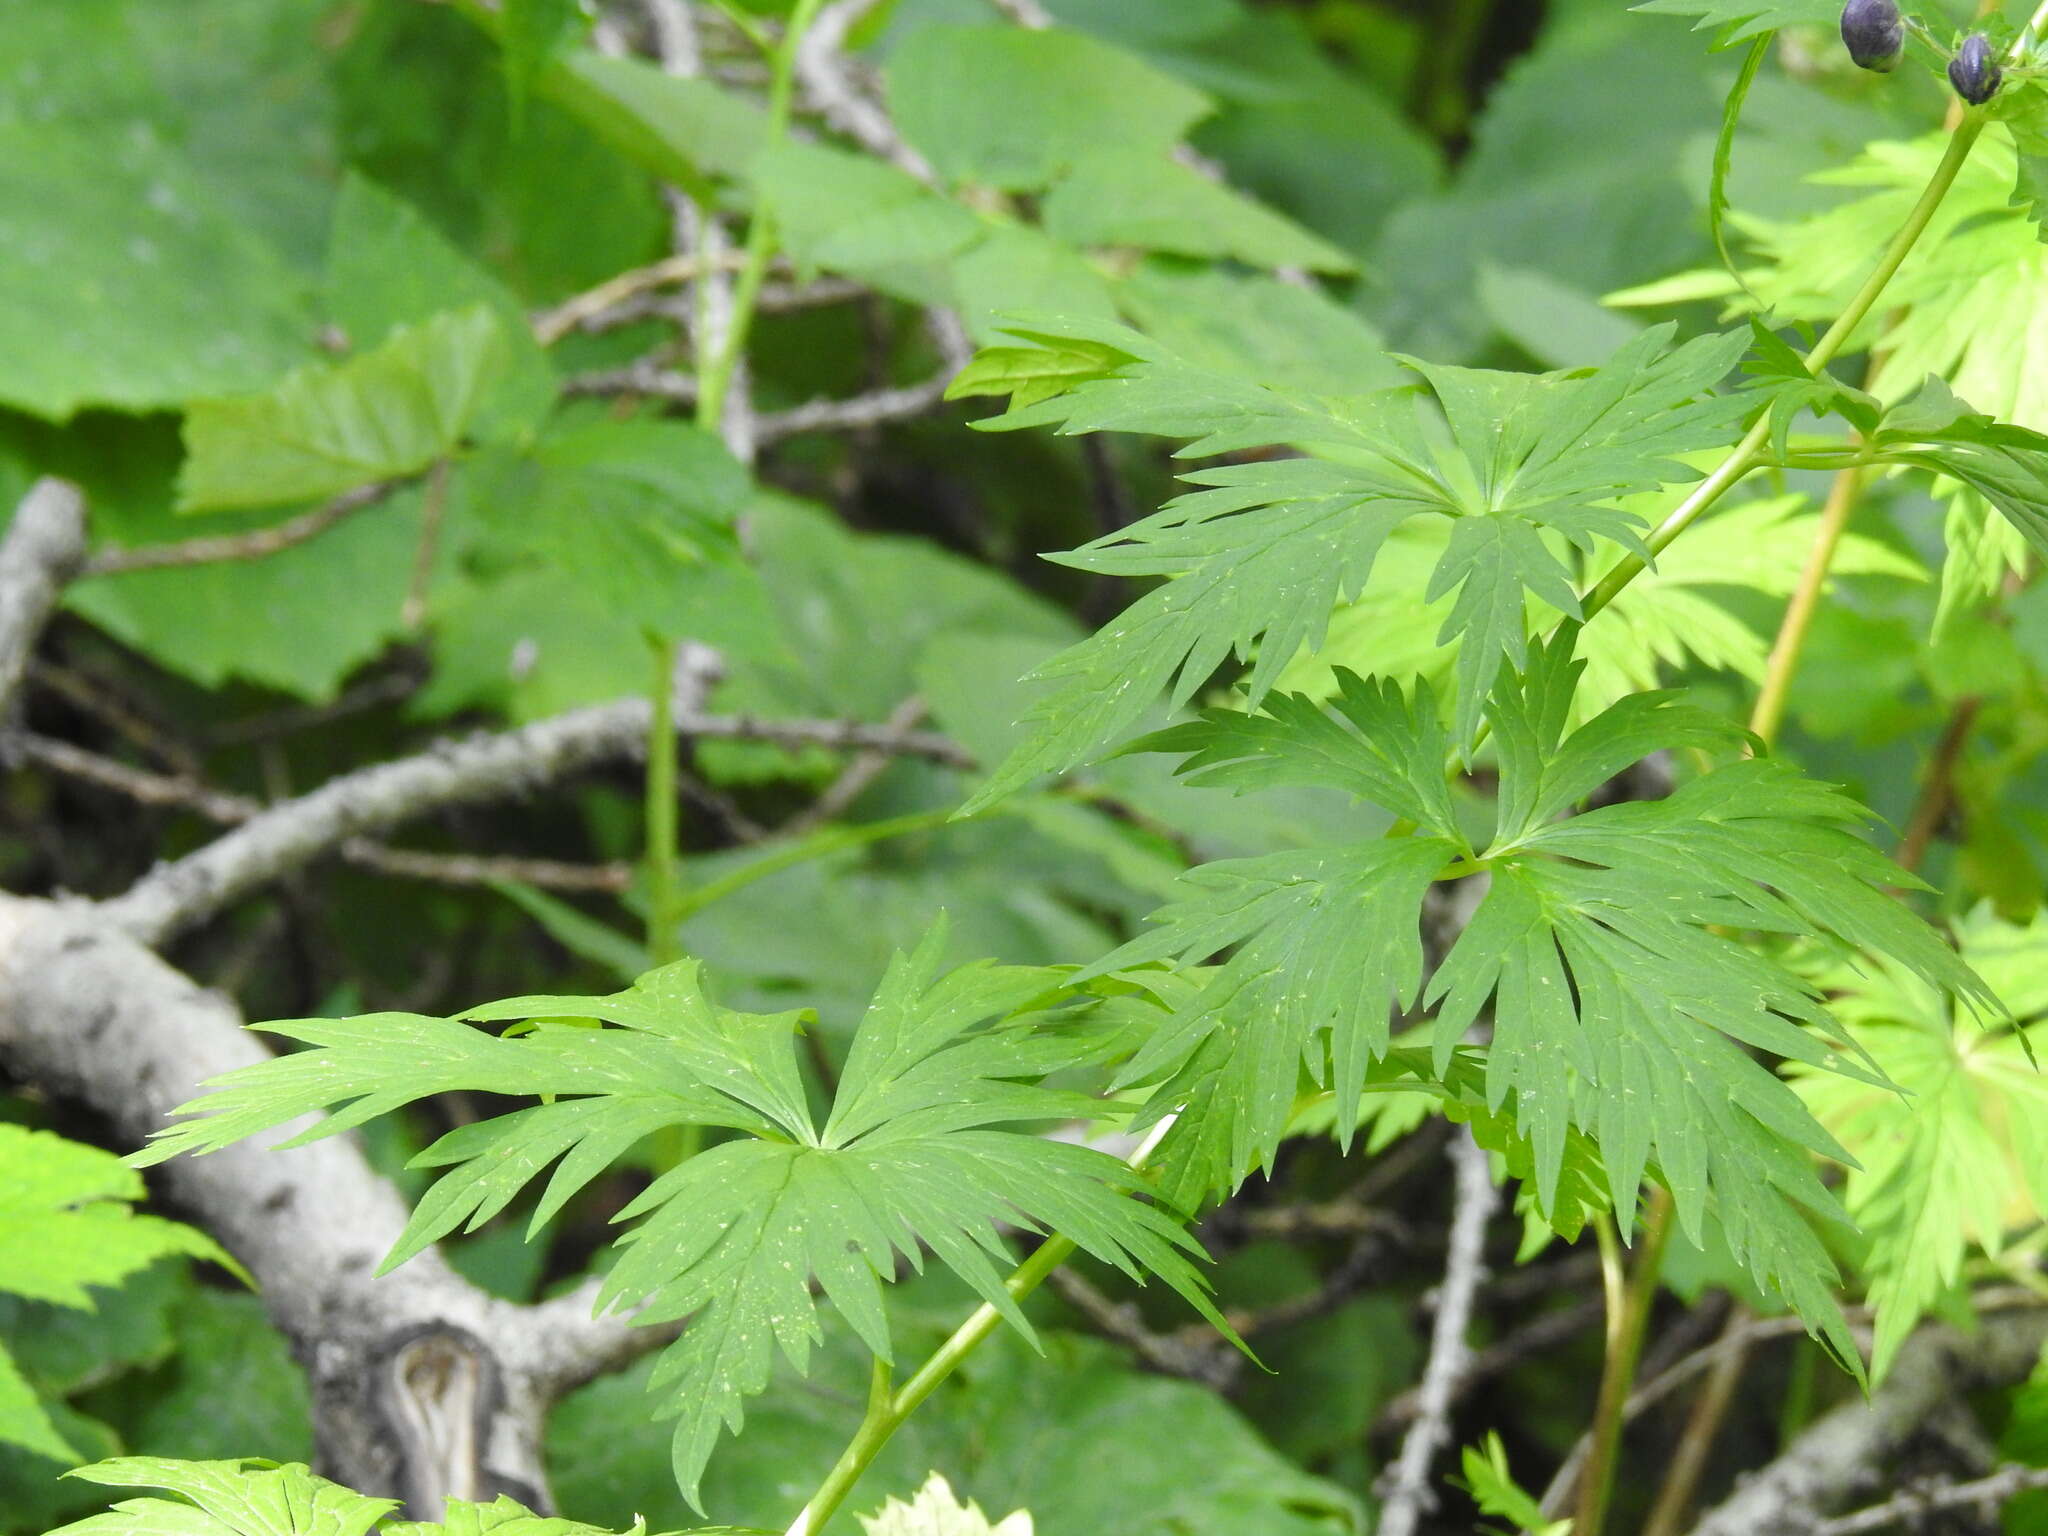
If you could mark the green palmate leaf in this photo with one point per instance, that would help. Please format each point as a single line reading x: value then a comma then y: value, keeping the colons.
x: 1960, y: 1158
x: 1734, y: 20
x: 1494, y: 1489
x: 387, y: 413
x: 226, y: 1498
x: 1124, y: 196
x: 1667, y: 619
x: 1523, y: 465
x: 1013, y: 109
x: 65, y: 1227
x: 914, y: 1154
x: 1604, y: 951
x: 244, y: 1497
x: 1724, y: 147
x: 2025, y: 113
x: 2007, y: 465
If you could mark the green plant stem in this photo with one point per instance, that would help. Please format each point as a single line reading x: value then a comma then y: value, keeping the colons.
x: 1702, y: 1428
x: 815, y: 846
x: 887, y: 1412
x: 1596, y: 1487
x: 715, y: 372
x: 1618, y: 1374
x: 664, y: 833
x: 1769, y: 714
x: 1748, y: 454
x: 665, y: 905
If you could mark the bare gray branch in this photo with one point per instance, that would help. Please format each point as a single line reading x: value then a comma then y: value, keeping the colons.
x: 1407, y: 1493
x: 44, y: 545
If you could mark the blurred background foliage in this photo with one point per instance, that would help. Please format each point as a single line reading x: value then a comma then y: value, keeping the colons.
x: 196, y: 197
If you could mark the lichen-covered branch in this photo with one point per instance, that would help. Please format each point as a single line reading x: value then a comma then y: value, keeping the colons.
x: 291, y: 835
x: 423, y: 1385
x: 44, y: 544
x: 1407, y: 1494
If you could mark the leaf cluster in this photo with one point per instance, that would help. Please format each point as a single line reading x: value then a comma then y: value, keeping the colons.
x: 928, y: 1146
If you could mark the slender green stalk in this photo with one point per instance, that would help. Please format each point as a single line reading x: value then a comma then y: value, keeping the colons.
x: 1617, y: 1378
x: 715, y: 368
x: 1748, y: 453
x: 1596, y: 1487
x: 1769, y: 713
x: 715, y: 372
x: 886, y: 1415
x: 816, y: 846
x: 664, y: 851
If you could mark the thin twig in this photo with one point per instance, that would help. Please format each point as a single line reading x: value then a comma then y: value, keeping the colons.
x: 1172, y: 1354
x: 241, y: 546
x: 775, y: 299
x: 1853, y: 1451
x: 1026, y: 13
x: 1702, y: 1426
x: 484, y: 767
x: 139, y: 785
x: 1537, y: 1337
x: 580, y: 312
x: 95, y: 698
x: 44, y: 544
x: 1986, y: 1495
x: 1661, y: 1386
x: 645, y: 377
x: 869, y: 410
x: 855, y: 777
x: 1406, y: 1492
x: 487, y: 869
x: 819, y: 67
x: 389, y: 689
x: 230, y: 809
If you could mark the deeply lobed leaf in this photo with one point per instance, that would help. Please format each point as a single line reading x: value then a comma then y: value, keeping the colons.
x: 921, y: 1151
x: 1519, y: 463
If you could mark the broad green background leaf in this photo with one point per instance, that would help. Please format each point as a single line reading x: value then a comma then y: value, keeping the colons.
x: 388, y: 267
x: 387, y: 413
x: 1129, y: 197
x: 1013, y: 109
x: 98, y: 231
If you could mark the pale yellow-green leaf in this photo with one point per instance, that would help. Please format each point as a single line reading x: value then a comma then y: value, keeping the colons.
x: 1959, y: 1161
x: 329, y: 428
x: 935, y: 1510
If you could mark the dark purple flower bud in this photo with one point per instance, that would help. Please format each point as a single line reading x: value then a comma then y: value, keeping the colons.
x: 1874, y: 34
x: 1974, y: 72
